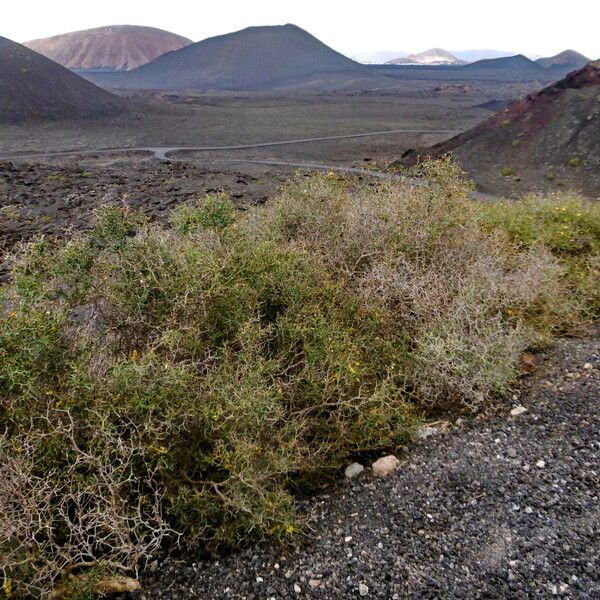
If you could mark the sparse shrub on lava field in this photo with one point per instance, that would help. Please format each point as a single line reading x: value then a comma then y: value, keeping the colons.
x: 159, y: 383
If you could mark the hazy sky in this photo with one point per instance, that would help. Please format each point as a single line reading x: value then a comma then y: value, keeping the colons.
x: 527, y: 26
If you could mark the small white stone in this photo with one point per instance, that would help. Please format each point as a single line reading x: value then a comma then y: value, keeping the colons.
x: 348, y: 538
x: 314, y: 583
x: 540, y: 464
x: 363, y: 589
x: 259, y: 580
x: 529, y: 510
x: 588, y: 366
x: 353, y: 470
x: 297, y: 588
x: 518, y: 410
x: 386, y: 466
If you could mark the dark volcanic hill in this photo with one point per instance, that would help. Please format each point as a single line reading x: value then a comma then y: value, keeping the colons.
x: 517, y: 64
x: 116, y: 47
x: 568, y: 59
x: 256, y: 58
x: 34, y: 87
x: 549, y: 140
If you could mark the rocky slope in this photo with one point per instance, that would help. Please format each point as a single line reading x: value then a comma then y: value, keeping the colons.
x: 33, y: 87
x: 117, y: 47
x: 546, y: 141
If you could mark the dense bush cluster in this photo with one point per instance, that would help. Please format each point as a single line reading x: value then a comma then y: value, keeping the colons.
x: 166, y: 382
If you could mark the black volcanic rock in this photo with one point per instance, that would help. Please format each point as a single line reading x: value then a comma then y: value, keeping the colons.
x: 256, y: 58
x: 33, y: 87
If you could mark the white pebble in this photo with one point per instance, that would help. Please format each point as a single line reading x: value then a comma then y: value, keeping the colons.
x: 353, y: 470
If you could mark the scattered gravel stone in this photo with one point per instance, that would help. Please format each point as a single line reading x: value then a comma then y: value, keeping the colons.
x: 518, y: 411
x: 363, y: 589
x: 354, y: 470
x: 386, y: 466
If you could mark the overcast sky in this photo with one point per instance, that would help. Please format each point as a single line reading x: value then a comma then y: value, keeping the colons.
x: 533, y: 27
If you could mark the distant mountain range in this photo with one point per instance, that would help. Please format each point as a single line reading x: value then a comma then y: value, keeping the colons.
x: 116, y: 47
x: 256, y: 58
x: 438, y: 56
x: 33, y: 87
x: 385, y: 56
x: 435, y: 56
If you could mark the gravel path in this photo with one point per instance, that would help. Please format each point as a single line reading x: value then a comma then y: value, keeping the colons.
x: 499, y: 506
x: 163, y: 152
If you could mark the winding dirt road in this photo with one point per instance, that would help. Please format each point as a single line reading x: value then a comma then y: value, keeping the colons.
x: 162, y: 152
x: 168, y: 152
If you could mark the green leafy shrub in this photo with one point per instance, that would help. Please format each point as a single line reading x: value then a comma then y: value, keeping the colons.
x: 507, y: 171
x: 172, y: 382
x: 575, y: 162
x: 213, y: 212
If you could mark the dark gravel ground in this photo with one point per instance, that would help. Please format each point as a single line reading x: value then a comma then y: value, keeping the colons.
x: 54, y: 199
x: 499, y: 506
